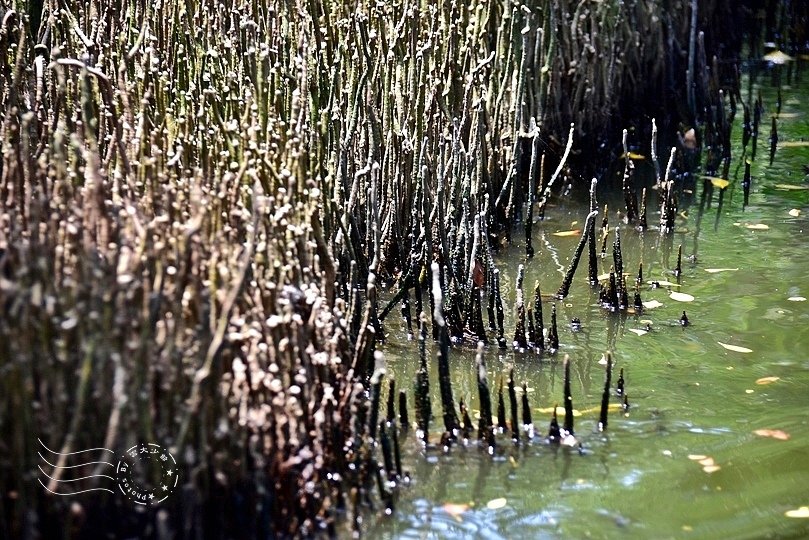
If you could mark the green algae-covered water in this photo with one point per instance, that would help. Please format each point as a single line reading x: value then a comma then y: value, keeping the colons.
x: 715, y: 441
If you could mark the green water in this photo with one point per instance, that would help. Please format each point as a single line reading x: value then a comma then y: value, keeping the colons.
x: 688, y: 394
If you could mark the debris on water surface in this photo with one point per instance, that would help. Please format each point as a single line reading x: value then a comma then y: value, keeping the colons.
x: 455, y: 510
x: 707, y: 462
x: 681, y: 297
x: 802, y: 513
x: 735, y: 348
x: 773, y: 434
x: 777, y: 57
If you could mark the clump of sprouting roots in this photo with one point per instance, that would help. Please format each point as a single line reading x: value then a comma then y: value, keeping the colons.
x: 202, y: 209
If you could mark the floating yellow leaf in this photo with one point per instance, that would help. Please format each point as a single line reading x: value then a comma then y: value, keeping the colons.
x: 757, y: 226
x: 794, y: 212
x: 496, y: 504
x: 681, y: 297
x: 796, y: 299
x: 773, y: 434
x: 735, y: 348
x: 610, y: 407
x: 696, y: 457
x: 720, y: 183
x: 802, y: 512
x: 767, y: 380
x: 711, y: 468
x: 638, y: 331
x: 574, y: 232
x: 787, y: 115
x: 559, y: 411
x: 651, y: 304
x: 717, y: 270
x: 633, y: 155
x: 706, y: 461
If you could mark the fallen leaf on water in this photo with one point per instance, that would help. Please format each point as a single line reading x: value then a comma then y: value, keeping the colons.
x: 696, y: 457
x: 606, y: 276
x: 559, y: 411
x: 574, y: 232
x: 681, y: 297
x: 735, y: 348
x: 633, y: 155
x: 638, y: 331
x: 663, y: 283
x: 773, y: 434
x: 795, y: 212
x: 757, y: 226
x: 787, y: 115
x: 767, y: 380
x: 707, y: 462
x: 802, y: 512
x: 777, y: 57
x: 610, y: 407
x: 455, y: 510
x: 720, y: 183
x: 796, y: 299
x: 790, y: 187
x: 711, y: 468
x: 717, y: 270
x: 496, y: 504
x: 651, y: 304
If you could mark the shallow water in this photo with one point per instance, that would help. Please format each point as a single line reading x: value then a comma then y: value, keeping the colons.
x: 688, y: 395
